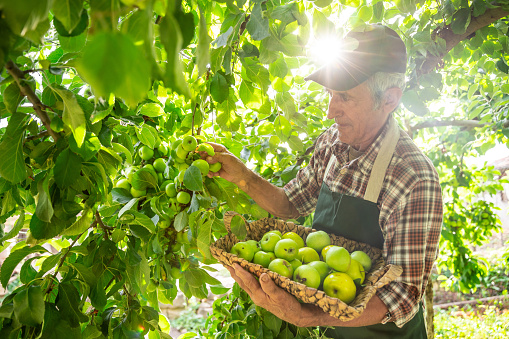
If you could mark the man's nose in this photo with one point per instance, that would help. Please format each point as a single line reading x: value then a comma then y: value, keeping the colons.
x: 334, y: 110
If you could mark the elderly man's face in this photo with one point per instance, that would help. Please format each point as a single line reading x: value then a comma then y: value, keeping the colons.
x: 357, y: 121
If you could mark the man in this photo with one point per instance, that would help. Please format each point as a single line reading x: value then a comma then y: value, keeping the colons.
x: 366, y: 181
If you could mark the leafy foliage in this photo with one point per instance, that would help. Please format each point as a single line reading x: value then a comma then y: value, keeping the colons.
x: 86, y: 83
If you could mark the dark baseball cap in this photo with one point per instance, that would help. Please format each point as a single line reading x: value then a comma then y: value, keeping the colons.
x: 379, y: 49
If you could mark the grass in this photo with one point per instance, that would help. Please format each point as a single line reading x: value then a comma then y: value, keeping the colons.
x: 484, y: 322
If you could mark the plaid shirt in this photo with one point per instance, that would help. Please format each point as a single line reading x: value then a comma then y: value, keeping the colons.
x: 410, y: 204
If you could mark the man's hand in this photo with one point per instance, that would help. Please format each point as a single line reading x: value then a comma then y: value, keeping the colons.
x: 232, y: 169
x: 268, y: 295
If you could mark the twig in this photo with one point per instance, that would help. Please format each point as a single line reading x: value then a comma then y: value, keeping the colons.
x: 53, y: 277
x: 101, y: 223
x: 37, y: 136
x: 19, y: 76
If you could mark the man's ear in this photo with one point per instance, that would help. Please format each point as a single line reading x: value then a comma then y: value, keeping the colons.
x: 392, y: 97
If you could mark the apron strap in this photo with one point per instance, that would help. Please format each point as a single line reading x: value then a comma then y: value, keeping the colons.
x: 329, y: 165
x: 382, y: 161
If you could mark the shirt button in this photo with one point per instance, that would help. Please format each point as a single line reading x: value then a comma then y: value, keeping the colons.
x: 343, y: 171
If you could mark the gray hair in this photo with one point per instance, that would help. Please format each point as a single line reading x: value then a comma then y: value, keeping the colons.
x: 379, y: 82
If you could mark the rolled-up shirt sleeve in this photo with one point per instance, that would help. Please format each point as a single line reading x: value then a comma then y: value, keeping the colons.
x: 415, y: 227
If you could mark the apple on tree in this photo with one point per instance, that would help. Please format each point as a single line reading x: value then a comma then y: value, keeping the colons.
x: 189, y: 143
x: 145, y: 152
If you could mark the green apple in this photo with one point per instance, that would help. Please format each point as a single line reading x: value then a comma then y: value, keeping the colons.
x: 181, y: 152
x: 356, y: 272
x: 202, y: 165
x: 282, y: 267
x: 162, y: 149
x: 269, y: 241
x: 146, y: 152
x: 317, y: 240
x: 129, y: 173
x: 182, y: 167
x: 123, y: 183
x: 340, y: 285
x: 163, y: 223
x: 295, y: 263
x: 189, y: 143
x: 286, y: 249
x: 255, y: 245
x: 276, y: 232
x: 136, y: 193
x: 151, y: 287
x: 307, y: 275
x: 170, y: 189
x: 307, y: 255
x: 159, y: 165
x: 263, y: 258
x: 176, y: 273
x: 363, y: 259
x: 183, y: 197
x: 338, y: 259
x: 243, y: 250
x: 215, y: 167
x: 180, y: 177
x: 325, y: 250
x: 175, y: 144
x: 322, y: 268
x: 206, y: 148
x: 295, y: 237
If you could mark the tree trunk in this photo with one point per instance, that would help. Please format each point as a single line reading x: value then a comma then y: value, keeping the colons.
x: 428, y: 299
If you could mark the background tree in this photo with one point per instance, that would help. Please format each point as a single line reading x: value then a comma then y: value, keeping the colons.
x: 87, y: 84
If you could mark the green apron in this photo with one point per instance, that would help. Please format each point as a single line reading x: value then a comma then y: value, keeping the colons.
x: 358, y: 219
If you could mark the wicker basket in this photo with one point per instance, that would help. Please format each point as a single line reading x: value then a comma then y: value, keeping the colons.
x: 379, y: 275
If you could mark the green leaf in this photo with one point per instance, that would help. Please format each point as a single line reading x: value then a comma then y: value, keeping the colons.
x: 284, y: 13
x: 88, y: 149
x: 73, y: 115
x: 78, y: 30
x: 151, y: 110
x: 68, y: 301
x: 228, y: 119
x: 219, y: 88
x: 295, y: 143
x: 286, y: 102
x: 80, y: 225
x: 258, y: 26
x: 413, y: 103
x: 279, y: 68
x: 238, y: 227
x: 67, y: 168
x: 282, y: 127
x: 148, y: 135
x: 204, y: 238
x: 44, y: 209
x: 143, y: 179
x: 57, y: 327
x: 73, y: 43
x: 68, y: 12
x: 144, y: 221
x: 18, y: 226
x: 111, y: 63
x: 181, y: 221
x: 122, y: 149
x: 171, y: 37
x: 25, y: 15
x: 127, y: 206
x: 29, y: 306
x: 193, y: 179
x: 461, y: 20
x: 203, y: 47
x: 12, y: 97
x: 12, y: 166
